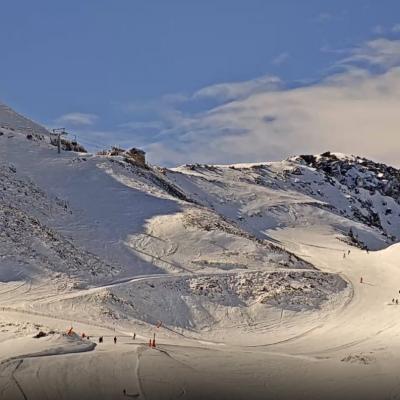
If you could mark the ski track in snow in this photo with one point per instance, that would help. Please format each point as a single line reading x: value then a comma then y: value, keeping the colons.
x: 137, y: 373
x: 19, y: 363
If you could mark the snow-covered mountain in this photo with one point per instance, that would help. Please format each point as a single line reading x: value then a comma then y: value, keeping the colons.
x: 357, y: 198
x: 286, y: 270
x: 91, y: 232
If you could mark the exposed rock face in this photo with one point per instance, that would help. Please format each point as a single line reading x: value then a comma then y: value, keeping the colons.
x: 356, y: 172
x: 133, y: 156
x: 137, y: 155
x: 373, y: 188
x: 68, y: 145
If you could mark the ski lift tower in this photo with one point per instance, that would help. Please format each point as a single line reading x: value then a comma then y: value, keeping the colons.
x: 59, y: 132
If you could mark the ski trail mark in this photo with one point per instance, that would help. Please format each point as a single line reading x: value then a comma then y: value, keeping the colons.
x: 19, y: 363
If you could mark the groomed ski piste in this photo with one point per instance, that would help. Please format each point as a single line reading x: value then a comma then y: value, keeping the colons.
x: 269, y: 280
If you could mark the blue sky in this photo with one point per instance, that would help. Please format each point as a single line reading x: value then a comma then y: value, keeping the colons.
x: 165, y: 75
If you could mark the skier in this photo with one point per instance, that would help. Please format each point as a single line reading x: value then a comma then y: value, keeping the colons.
x: 115, y: 340
x: 361, y: 280
x: 348, y: 253
x: 134, y: 335
x: 344, y: 255
x: 397, y: 301
x: 124, y: 392
x: 101, y: 339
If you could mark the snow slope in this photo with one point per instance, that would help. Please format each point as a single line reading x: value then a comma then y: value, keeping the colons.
x: 350, y: 353
x: 349, y: 193
x: 75, y: 220
x: 247, y: 274
x: 11, y: 120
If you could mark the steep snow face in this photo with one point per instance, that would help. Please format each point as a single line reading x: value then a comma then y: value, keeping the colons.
x: 28, y: 244
x: 356, y: 198
x: 102, y: 200
x: 11, y: 120
x: 133, y: 217
x: 198, y: 240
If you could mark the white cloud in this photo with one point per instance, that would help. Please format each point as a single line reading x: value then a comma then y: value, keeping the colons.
x: 382, y: 52
x: 396, y: 28
x: 77, y: 119
x: 235, y: 90
x: 354, y: 111
x: 280, y: 58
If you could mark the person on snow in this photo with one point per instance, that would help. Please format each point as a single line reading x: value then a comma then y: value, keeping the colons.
x: 134, y: 335
x: 115, y: 340
x: 101, y: 339
x: 344, y: 255
x: 397, y: 301
x: 361, y: 280
x: 348, y: 253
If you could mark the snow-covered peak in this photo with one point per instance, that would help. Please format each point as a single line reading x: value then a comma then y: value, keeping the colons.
x: 350, y: 189
x: 332, y: 156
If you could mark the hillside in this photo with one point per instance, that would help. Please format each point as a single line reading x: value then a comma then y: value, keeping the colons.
x: 286, y: 265
x: 94, y: 220
x: 354, y: 197
x: 11, y: 120
x: 76, y: 221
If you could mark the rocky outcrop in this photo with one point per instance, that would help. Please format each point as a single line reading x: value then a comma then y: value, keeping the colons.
x: 133, y: 156
x: 372, y: 189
